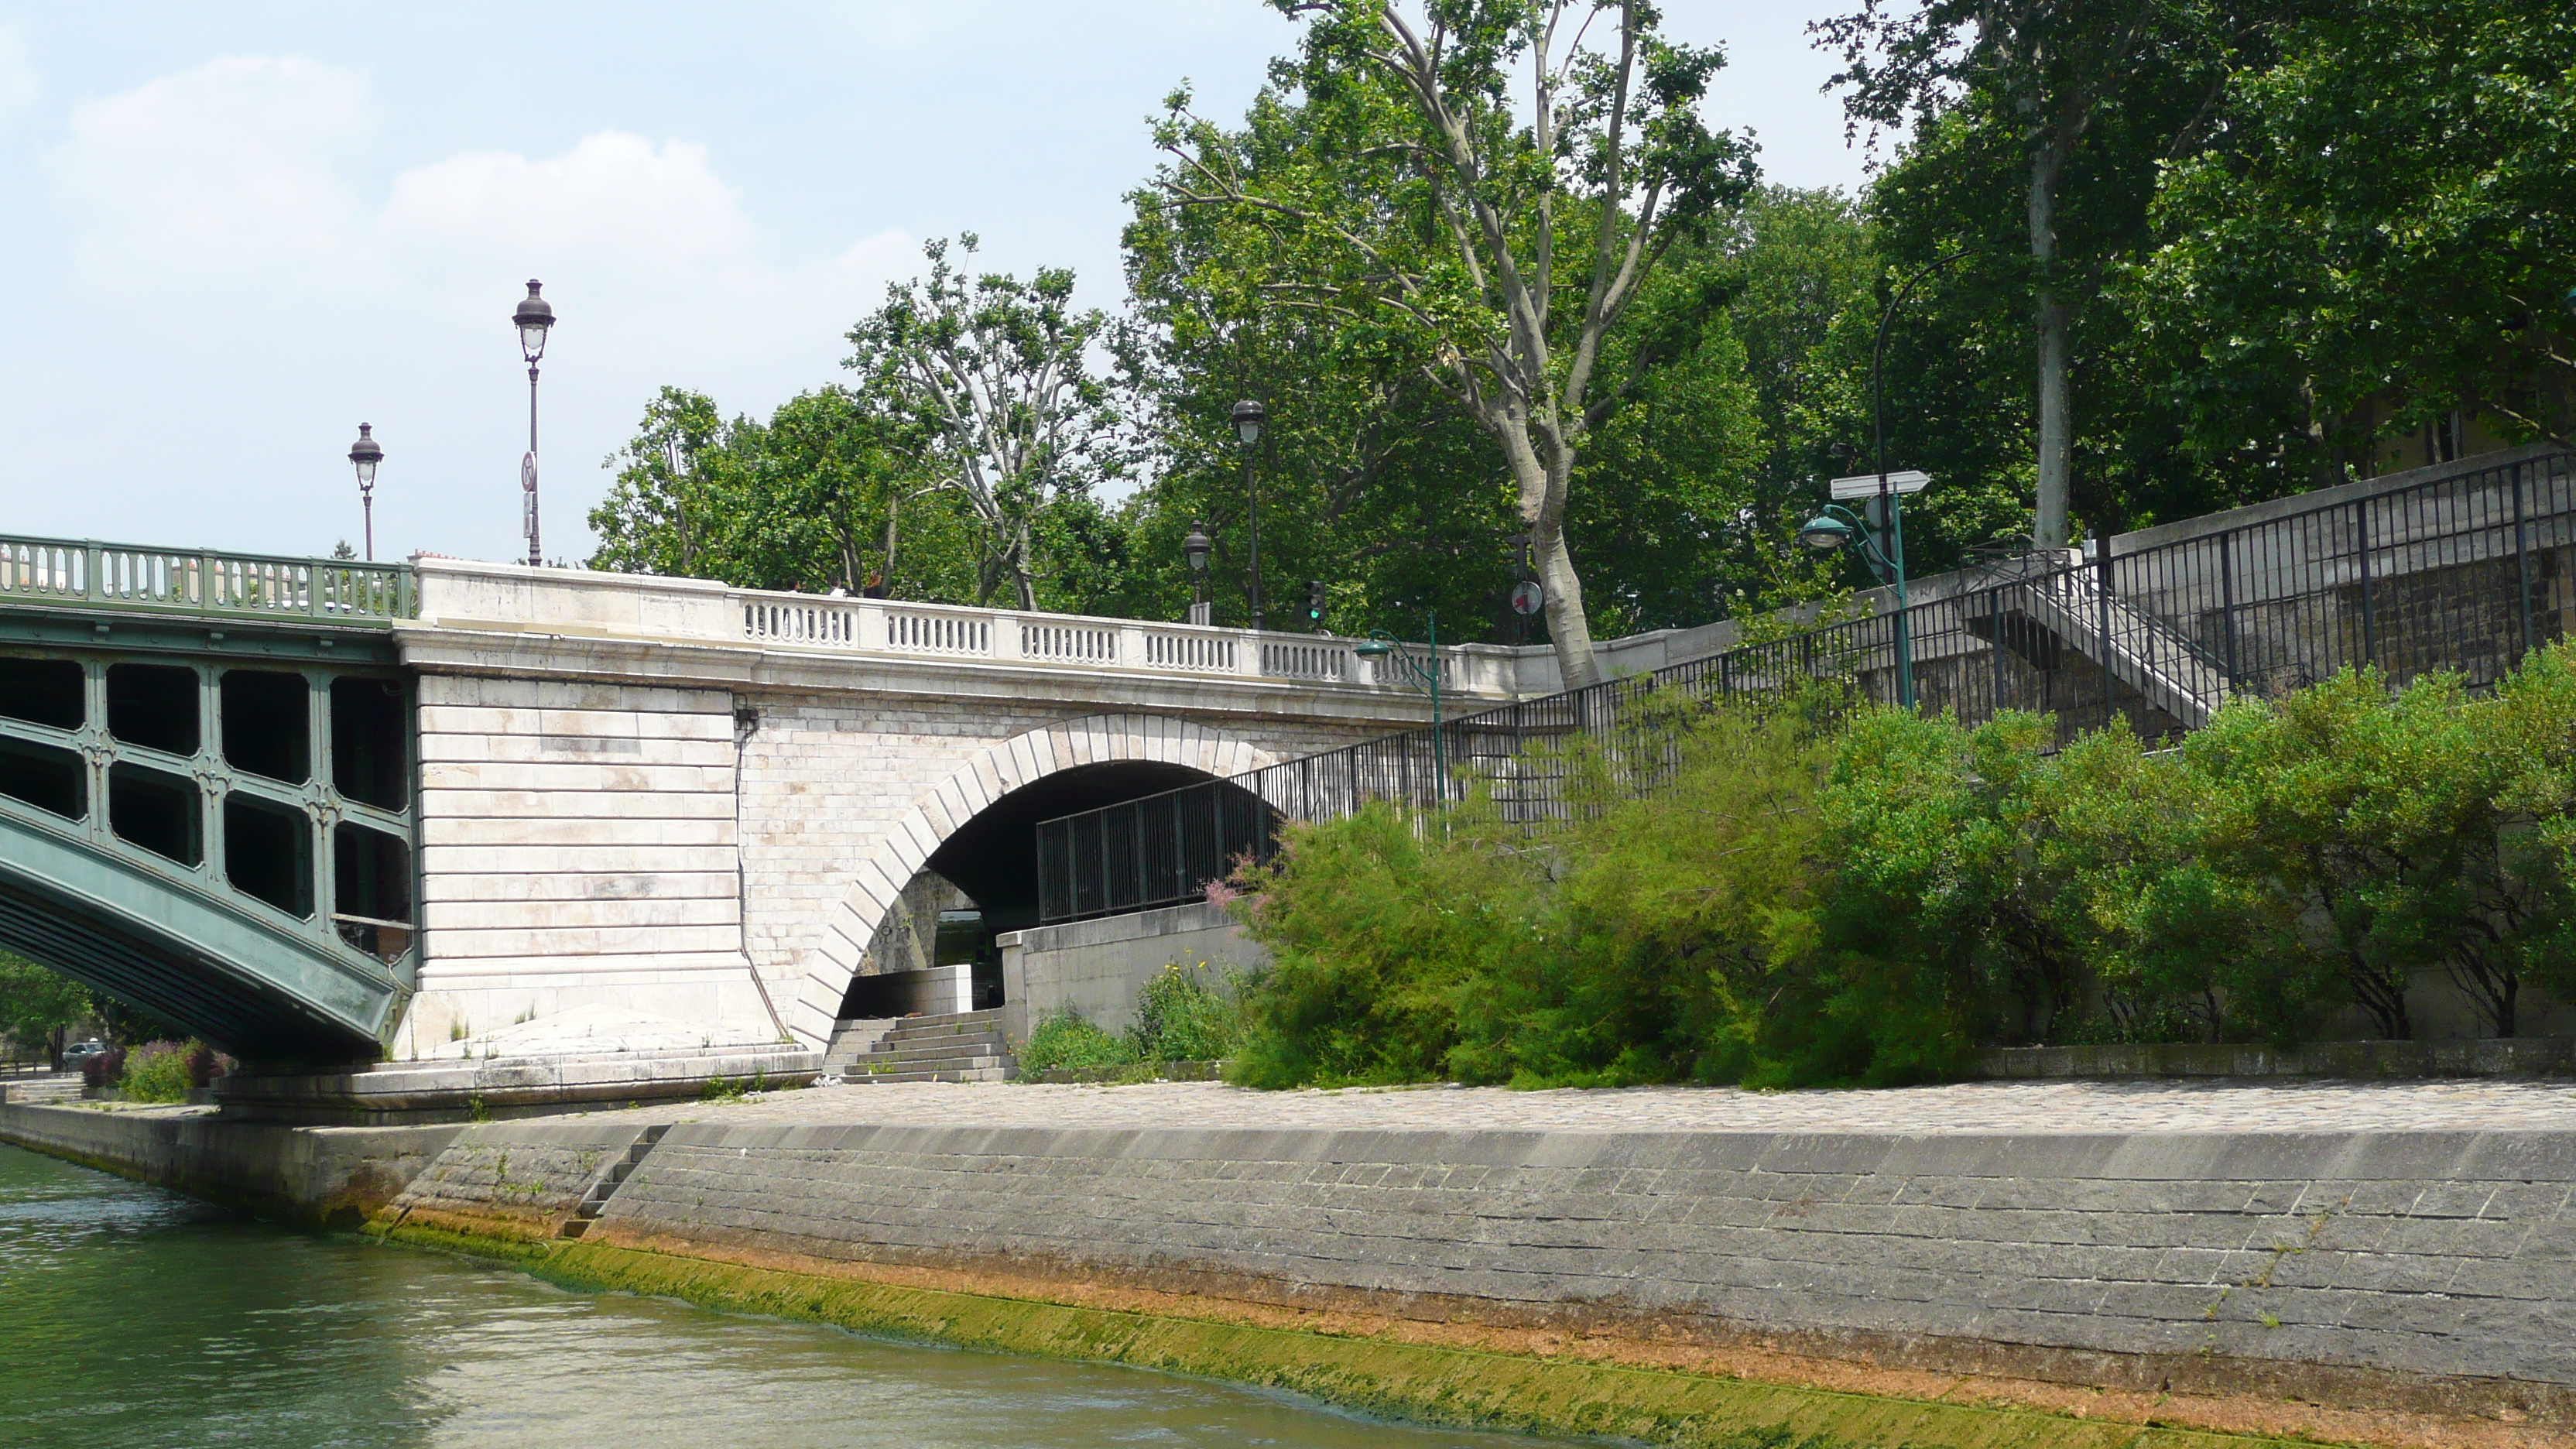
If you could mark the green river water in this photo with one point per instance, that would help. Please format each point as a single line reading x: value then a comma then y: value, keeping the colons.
x: 134, y: 1318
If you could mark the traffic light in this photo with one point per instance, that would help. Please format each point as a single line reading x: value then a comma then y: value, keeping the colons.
x: 1315, y: 603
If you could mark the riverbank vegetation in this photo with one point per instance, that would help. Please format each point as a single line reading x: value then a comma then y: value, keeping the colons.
x: 1825, y: 895
x: 1184, y: 1014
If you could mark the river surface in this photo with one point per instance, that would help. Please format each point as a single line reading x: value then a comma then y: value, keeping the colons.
x: 136, y: 1318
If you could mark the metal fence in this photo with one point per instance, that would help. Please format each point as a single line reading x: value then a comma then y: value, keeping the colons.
x: 2465, y: 572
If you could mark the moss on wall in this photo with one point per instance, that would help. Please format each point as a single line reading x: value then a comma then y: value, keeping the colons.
x: 1429, y: 1383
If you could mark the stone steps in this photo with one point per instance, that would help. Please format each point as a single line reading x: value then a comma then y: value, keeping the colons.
x: 603, y: 1187
x: 982, y: 1071
x: 55, y: 1087
x: 952, y: 1047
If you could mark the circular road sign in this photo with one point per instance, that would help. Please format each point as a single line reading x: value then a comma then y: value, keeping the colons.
x: 1527, y: 598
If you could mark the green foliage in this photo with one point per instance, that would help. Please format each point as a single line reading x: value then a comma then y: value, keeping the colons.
x: 822, y: 496
x: 1181, y: 1017
x: 38, y: 1006
x: 164, y: 1071
x: 2286, y: 238
x: 1394, y: 187
x: 1802, y: 901
x: 1069, y: 1041
x: 991, y: 375
x: 2409, y: 831
x: 2379, y: 235
x: 1375, y: 925
x: 1635, y: 945
x: 1373, y: 473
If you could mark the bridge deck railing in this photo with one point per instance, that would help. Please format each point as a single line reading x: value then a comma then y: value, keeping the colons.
x: 467, y: 594
x: 88, y: 574
x: 880, y: 626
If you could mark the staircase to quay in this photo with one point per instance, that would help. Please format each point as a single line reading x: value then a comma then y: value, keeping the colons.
x: 611, y: 1177
x: 963, y: 1046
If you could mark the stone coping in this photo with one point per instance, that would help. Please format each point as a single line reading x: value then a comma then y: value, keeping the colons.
x: 2363, y: 1060
x: 502, y: 1086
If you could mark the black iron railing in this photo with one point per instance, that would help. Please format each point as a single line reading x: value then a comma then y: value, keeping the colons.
x: 2465, y: 572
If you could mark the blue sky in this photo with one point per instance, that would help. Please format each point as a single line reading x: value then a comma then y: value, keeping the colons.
x: 229, y: 233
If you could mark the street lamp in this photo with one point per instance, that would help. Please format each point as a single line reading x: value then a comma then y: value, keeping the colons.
x: 534, y: 316
x: 1195, y: 549
x: 1382, y: 646
x: 1838, y: 527
x: 1247, y: 426
x: 364, y: 455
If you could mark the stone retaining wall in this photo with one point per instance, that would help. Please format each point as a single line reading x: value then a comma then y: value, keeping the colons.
x: 526, y: 1174
x: 334, y: 1175
x: 1095, y: 969
x: 2433, y: 1271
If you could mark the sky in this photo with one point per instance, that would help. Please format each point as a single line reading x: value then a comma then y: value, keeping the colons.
x: 230, y: 233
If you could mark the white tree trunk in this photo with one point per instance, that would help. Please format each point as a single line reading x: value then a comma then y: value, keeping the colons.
x: 1542, y: 485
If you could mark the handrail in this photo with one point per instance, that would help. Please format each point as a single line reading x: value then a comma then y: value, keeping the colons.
x: 89, y: 574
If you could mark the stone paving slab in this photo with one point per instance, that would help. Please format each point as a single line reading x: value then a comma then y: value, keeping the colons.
x: 2055, y: 1107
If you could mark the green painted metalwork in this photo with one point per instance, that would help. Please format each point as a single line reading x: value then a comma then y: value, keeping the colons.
x: 87, y: 574
x: 226, y: 897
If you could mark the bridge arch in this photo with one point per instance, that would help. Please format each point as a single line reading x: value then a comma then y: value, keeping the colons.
x: 996, y: 779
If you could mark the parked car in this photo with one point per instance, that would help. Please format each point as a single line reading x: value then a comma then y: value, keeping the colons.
x: 81, y: 1051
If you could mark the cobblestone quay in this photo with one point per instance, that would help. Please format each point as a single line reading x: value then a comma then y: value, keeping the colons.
x: 2400, y: 1249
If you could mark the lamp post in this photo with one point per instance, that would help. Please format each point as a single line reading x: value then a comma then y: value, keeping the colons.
x: 1839, y: 527
x: 534, y: 316
x: 1247, y: 426
x: 364, y: 455
x: 1878, y: 404
x: 1381, y: 645
x: 1195, y: 549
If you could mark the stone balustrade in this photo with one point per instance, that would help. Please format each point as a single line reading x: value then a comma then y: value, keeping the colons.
x: 459, y: 592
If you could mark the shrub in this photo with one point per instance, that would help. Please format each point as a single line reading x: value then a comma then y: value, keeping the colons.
x: 1872, y: 901
x: 2406, y: 831
x: 104, y: 1070
x: 1181, y: 1018
x: 159, y: 1071
x: 1069, y: 1041
x: 1375, y: 925
x: 1665, y: 921
x: 1635, y: 943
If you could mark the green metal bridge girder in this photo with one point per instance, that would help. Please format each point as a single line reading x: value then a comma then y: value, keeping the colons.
x: 186, y: 955
x: 221, y: 828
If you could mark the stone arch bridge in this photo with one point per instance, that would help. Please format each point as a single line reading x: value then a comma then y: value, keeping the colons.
x: 318, y: 810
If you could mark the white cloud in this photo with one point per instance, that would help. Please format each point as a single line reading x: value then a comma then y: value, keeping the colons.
x: 19, y: 83
x: 237, y: 220
x: 613, y: 196
x: 193, y: 176
x: 240, y: 173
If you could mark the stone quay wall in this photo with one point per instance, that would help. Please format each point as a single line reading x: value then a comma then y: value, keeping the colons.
x: 2422, y: 1271
x: 327, y: 1175
x: 526, y: 1174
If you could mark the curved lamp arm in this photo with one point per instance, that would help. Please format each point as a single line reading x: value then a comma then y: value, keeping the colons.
x: 1382, y: 645
x: 1859, y: 537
